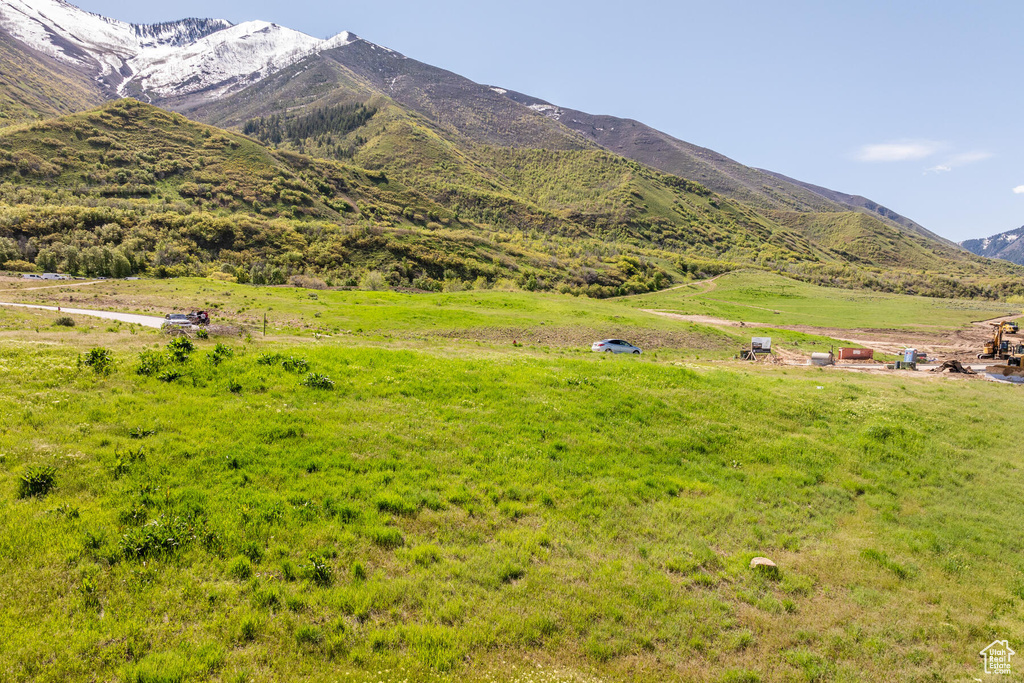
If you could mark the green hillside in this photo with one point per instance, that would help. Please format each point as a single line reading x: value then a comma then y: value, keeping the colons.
x: 130, y: 188
x: 381, y: 192
x: 860, y: 238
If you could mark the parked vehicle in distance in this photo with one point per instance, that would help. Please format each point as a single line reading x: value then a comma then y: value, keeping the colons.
x: 177, y: 320
x: 614, y: 346
x: 191, y: 318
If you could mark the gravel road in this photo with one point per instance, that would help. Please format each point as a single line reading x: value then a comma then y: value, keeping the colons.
x: 144, y: 320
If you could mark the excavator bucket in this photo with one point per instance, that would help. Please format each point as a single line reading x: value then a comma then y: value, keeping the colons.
x: 1005, y: 373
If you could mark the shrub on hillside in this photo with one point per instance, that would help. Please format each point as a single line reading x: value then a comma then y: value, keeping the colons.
x: 388, y: 538
x: 64, y: 321
x: 317, y: 381
x: 318, y: 571
x: 101, y: 360
x: 180, y: 348
x: 240, y: 568
x: 220, y: 353
x: 157, y: 537
x: 37, y: 481
x: 373, y: 281
x: 307, y: 282
x: 293, y: 364
x: 19, y: 266
x: 168, y: 375
x: 150, y: 363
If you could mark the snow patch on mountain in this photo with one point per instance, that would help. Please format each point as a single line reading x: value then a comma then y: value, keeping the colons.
x: 69, y: 34
x: 160, y: 60
x: 549, y: 110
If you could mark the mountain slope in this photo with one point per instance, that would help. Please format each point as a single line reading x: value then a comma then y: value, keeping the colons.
x: 465, y: 112
x: 129, y: 183
x: 761, y: 188
x: 33, y: 86
x: 1007, y: 246
x: 572, y: 192
x: 458, y: 148
x: 859, y: 203
x: 169, y: 194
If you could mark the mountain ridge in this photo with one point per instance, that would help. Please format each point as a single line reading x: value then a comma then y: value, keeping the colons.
x: 1006, y: 246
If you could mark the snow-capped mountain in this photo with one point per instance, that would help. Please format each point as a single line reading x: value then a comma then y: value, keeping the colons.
x: 1007, y: 246
x: 225, y: 60
x: 160, y: 61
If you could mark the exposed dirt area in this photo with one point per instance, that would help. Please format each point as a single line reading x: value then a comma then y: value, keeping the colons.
x: 705, y: 319
x: 551, y: 335
x: 963, y: 344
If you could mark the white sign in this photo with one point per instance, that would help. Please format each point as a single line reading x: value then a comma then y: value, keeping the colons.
x: 761, y: 344
x: 997, y: 657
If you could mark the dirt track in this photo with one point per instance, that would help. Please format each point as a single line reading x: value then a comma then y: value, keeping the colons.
x: 66, y: 284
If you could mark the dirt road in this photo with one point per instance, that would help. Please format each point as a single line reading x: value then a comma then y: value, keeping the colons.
x: 144, y: 320
x: 704, y: 319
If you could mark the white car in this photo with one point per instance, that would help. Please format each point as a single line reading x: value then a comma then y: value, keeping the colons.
x: 176, y: 320
x: 615, y: 346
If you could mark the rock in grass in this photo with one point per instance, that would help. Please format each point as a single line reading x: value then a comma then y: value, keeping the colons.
x: 765, y: 567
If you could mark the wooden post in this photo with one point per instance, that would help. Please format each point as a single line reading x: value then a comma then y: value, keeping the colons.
x: 264, y: 324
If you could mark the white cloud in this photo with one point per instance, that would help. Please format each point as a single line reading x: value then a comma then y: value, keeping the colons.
x: 969, y: 158
x: 958, y: 160
x: 908, y: 150
x: 1019, y: 189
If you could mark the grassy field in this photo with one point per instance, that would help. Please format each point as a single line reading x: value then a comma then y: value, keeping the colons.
x: 494, y: 318
x: 473, y: 511
x: 755, y: 296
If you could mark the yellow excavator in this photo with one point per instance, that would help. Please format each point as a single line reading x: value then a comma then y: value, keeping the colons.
x: 1012, y: 355
x: 998, y: 348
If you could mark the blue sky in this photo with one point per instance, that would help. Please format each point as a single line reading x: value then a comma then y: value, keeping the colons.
x: 916, y: 105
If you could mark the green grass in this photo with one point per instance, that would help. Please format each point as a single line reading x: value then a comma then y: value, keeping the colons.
x: 486, y: 315
x: 756, y: 296
x: 446, y: 518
